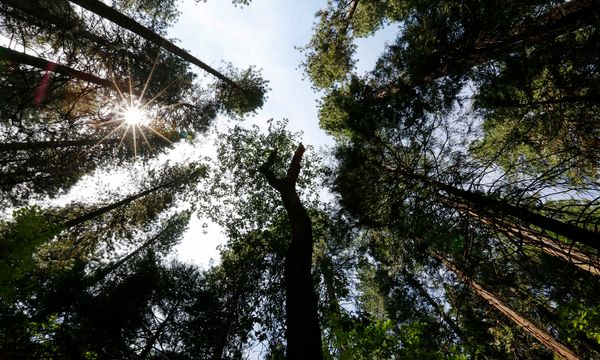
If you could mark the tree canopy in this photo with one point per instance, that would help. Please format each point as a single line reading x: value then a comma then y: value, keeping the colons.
x: 455, y: 216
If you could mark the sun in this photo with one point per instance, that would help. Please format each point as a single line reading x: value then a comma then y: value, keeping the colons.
x: 135, y: 115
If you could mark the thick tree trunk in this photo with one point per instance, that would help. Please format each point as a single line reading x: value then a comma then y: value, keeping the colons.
x: 107, y: 12
x: 303, y: 332
x: 540, y: 334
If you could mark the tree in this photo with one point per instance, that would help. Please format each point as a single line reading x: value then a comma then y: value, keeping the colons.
x: 303, y: 333
x: 535, y: 331
x: 60, y: 110
x: 60, y: 237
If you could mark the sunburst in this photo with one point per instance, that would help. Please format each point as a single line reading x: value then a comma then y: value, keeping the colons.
x: 134, y: 114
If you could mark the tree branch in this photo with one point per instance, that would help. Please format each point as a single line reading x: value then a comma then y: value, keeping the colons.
x: 267, y: 171
x: 294, y: 168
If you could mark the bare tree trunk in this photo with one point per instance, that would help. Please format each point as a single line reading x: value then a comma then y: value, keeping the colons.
x: 500, y: 209
x: 107, y: 12
x: 41, y: 145
x: 540, y: 334
x: 103, y: 210
x: 542, y: 241
x: 150, y: 343
x: 43, y: 64
x: 303, y: 332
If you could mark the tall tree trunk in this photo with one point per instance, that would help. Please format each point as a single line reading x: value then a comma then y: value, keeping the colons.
x: 107, y: 12
x: 150, y: 343
x: 32, y: 8
x: 103, y: 273
x: 557, y: 21
x: 43, y: 64
x: 41, y: 145
x: 103, y: 210
x: 303, y: 332
x: 500, y: 209
x: 540, y: 334
x: 415, y: 284
x: 517, y: 232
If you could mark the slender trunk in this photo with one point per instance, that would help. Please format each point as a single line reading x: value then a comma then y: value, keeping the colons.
x: 540, y: 334
x: 500, y: 209
x: 40, y: 13
x: 557, y: 21
x: 41, y: 145
x: 326, y: 267
x: 231, y: 314
x: 303, y: 332
x: 349, y: 16
x: 415, y: 284
x: 103, y: 210
x: 150, y: 344
x: 43, y: 64
x: 103, y: 273
x: 107, y: 12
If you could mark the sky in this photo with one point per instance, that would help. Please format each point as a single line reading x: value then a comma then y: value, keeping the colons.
x: 264, y: 34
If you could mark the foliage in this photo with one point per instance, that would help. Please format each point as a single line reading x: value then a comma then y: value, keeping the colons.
x: 248, y: 94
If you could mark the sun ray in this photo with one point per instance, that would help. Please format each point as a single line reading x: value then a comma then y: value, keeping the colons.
x: 134, y: 142
x: 119, y: 91
x: 123, y: 137
x: 159, y: 134
x: 160, y: 93
x: 110, y: 133
x: 150, y: 75
x: 145, y: 139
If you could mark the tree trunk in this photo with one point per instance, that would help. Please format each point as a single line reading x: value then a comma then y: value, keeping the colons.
x: 540, y: 334
x: 513, y: 231
x: 34, y: 9
x: 107, y: 12
x: 557, y: 21
x: 303, y: 332
x: 415, y: 284
x: 150, y: 343
x: 102, y: 273
x: 103, y: 210
x: 500, y: 208
x: 41, y: 145
x: 43, y: 64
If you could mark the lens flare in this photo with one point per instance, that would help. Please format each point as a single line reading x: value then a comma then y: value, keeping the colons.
x: 134, y: 115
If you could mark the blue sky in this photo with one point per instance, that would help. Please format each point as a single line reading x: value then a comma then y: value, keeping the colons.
x: 263, y: 34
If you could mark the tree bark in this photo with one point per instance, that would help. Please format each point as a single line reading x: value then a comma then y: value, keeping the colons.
x: 103, y: 210
x: 107, y: 12
x: 46, y: 65
x: 500, y: 208
x: 514, y: 231
x: 42, y: 145
x: 303, y: 332
x: 540, y: 334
